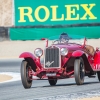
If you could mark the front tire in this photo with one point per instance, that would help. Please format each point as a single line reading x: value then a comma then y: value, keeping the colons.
x: 79, y: 71
x: 98, y: 74
x: 52, y: 81
x: 27, y: 83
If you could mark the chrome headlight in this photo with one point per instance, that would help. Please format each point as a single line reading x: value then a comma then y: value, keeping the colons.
x: 64, y: 51
x: 38, y: 52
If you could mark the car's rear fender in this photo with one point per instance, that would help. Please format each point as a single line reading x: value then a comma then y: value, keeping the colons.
x: 97, y: 61
x: 32, y: 60
x: 97, y: 58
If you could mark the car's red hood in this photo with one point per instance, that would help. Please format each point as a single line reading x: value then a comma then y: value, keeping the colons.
x: 71, y: 46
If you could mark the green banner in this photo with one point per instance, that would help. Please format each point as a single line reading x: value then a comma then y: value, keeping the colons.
x: 56, y: 12
x: 33, y: 34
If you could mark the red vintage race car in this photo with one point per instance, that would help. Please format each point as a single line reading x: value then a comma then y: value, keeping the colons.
x: 66, y: 57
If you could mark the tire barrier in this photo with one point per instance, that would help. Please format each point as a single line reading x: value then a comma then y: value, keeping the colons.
x: 4, y: 34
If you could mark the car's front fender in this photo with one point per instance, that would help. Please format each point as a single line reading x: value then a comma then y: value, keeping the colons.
x: 33, y: 61
x: 77, y: 53
x: 27, y: 55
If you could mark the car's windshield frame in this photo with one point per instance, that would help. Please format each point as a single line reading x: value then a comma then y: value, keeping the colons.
x: 76, y: 39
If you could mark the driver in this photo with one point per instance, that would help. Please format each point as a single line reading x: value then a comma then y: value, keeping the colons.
x: 64, y: 37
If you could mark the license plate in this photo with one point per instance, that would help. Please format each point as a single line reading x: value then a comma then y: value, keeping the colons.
x: 50, y: 74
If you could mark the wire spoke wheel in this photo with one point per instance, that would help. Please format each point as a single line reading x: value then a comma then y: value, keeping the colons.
x: 26, y: 80
x: 52, y: 81
x: 79, y: 71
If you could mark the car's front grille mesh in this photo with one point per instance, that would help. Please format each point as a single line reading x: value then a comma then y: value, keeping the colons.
x: 52, y: 57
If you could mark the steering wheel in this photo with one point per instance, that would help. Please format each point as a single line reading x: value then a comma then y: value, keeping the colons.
x: 54, y: 42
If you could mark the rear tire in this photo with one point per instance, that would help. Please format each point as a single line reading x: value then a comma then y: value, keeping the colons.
x: 98, y: 74
x: 79, y: 71
x: 27, y: 83
x: 52, y: 81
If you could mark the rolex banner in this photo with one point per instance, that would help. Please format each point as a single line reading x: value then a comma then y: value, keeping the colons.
x: 55, y: 13
x: 52, y: 12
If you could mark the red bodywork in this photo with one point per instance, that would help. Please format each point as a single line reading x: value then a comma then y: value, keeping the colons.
x: 66, y: 69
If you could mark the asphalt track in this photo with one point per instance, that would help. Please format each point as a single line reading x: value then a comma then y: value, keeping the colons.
x: 66, y: 89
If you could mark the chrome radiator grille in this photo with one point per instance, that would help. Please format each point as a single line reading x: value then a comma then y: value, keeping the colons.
x: 52, y: 57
